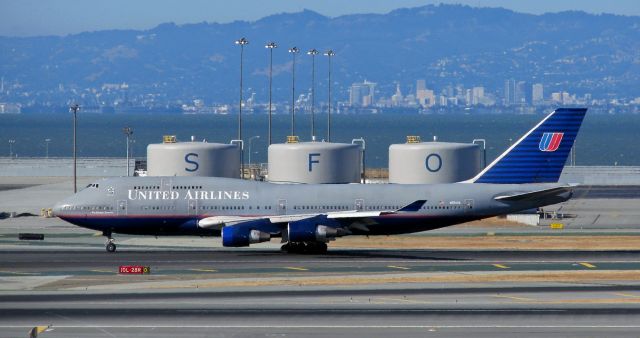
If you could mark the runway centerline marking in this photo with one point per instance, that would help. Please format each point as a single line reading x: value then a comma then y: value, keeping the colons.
x: 625, y: 295
x: 103, y: 271
x: 295, y: 268
x: 405, y: 300
x: 520, y: 299
x: 398, y: 267
x: 501, y: 266
x: 204, y: 270
x: 587, y: 265
x: 19, y: 273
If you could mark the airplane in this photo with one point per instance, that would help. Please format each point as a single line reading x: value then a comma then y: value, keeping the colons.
x: 308, y: 216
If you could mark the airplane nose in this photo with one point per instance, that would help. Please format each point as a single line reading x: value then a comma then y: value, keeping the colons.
x: 57, y: 210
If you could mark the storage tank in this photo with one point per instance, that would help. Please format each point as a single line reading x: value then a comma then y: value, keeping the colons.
x: 417, y: 162
x: 172, y: 158
x: 314, y: 162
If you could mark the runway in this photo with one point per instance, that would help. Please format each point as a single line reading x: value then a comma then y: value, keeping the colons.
x: 354, y: 293
x: 502, y: 310
x: 337, y: 261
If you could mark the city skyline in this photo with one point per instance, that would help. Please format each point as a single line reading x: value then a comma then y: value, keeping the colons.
x: 577, y: 58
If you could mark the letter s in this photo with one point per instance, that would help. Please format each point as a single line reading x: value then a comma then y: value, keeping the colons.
x: 187, y: 158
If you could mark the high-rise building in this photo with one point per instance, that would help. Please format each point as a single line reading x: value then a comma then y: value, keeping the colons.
x: 521, y: 95
x: 477, y: 95
x: 509, y: 92
x: 424, y: 96
x: 537, y: 93
x: 468, y: 97
x: 562, y: 98
x: 362, y: 94
x: 396, y: 99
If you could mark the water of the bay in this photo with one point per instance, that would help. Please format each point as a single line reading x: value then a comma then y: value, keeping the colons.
x: 603, y: 139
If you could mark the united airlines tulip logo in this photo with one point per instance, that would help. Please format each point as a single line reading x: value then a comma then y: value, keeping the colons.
x: 550, y: 141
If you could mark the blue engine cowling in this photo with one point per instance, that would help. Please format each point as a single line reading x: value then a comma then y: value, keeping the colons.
x: 247, y: 233
x: 310, y: 230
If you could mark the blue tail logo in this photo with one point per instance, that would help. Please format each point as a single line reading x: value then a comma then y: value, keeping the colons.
x: 540, y: 155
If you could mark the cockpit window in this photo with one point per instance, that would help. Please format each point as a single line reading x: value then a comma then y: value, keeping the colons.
x: 93, y: 185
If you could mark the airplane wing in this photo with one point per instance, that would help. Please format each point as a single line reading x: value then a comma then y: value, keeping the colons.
x: 533, y: 195
x: 218, y: 222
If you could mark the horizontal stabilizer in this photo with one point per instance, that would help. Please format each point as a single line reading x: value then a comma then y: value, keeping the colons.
x: 534, y: 195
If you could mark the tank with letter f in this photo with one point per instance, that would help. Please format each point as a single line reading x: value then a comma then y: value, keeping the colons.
x: 314, y: 162
x: 172, y: 158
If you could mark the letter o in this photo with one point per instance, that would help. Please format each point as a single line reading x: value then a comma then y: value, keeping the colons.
x: 432, y: 167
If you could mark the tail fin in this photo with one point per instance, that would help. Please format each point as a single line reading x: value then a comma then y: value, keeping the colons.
x: 540, y: 155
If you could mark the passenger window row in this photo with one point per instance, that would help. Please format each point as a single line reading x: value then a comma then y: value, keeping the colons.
x: 87, y: 208
x: 234, y: 207
x: 186, y: 187
x: 156, y: 207
x: 324, y: 207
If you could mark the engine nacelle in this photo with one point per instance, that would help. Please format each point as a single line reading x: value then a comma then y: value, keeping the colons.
x: 326, y: 234
x: 310, y: 231
x: 241, y: 236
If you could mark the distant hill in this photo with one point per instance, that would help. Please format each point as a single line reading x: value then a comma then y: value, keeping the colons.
x: 443, y: 44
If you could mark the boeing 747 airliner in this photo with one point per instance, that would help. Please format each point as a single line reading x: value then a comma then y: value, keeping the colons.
x: 307, y: 216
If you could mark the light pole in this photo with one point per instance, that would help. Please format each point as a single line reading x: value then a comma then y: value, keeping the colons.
x: 329, y: 54
x: 313, y: 54
x: 242, y: 42
x: 128, y: 132
x: 251, y: 140
x: 74, y: 109
x: 293, y: 51
x: 46, y: 143
x: 11, y: 143
x: 271, y: 45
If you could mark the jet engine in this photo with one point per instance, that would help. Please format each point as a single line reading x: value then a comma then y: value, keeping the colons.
x: 235, y: 236
x: 311, y: 231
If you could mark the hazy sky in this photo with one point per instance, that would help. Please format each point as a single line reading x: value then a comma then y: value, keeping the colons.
x: 59, y: 17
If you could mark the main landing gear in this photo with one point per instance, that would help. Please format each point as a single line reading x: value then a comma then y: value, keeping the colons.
x: 110, y: 245
x: 305, y: 247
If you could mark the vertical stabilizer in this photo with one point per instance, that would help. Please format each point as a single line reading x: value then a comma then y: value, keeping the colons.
x: 540, y: 155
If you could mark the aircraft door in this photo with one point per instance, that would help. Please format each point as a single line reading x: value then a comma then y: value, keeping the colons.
x: 282, y: 207
x: 359, y: 204
x: 192, y: 207
x: 468, y: 205
x: 166, y: 184
x: 122, y: 207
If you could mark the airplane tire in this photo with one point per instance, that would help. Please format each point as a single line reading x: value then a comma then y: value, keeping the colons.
x: 111, y: 247
x: 317, y: 248
x: 308, y: 248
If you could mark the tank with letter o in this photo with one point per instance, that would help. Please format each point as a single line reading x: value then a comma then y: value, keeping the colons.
x: 418, y: 162
x: 314, y: 162
x: 193, y: 159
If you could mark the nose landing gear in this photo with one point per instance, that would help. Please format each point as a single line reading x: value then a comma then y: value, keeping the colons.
x: 110, y: 246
